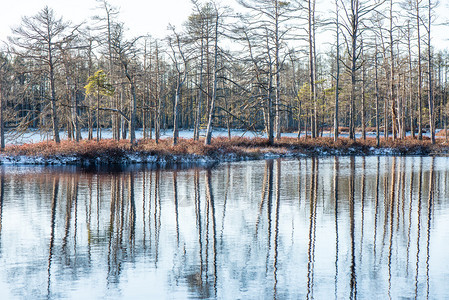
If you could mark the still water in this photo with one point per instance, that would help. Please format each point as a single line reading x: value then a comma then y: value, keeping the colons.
x: 323, y: 228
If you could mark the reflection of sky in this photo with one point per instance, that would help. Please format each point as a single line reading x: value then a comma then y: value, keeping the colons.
x: 253, y: 259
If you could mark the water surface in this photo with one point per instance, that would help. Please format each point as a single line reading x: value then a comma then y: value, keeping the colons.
x: 323, y: 228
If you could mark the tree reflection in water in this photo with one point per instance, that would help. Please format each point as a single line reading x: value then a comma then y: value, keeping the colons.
x: 339, y: 227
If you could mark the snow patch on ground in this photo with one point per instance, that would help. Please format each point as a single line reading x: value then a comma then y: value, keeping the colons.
x: 192, y: 159
x: 34, y: 136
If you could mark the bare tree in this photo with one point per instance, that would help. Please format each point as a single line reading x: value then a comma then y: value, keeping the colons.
x: 430, y: 96
x: 157, y: 94
x: 180, y: 62
x: 312, y: 63
x: 394, y: 117
x: 40, y: 38
x: 106, y: 25
x: 198, y: 27
x: 337, y: 73
x: 126, y: 52
x: 4, y: 65
x: 376, y: 83
x: 268, y: 21
x: 355, y: 15
x: 215, y: 82
x: 418, y: 25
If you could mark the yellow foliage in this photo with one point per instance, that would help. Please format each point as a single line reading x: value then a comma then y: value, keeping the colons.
x: 98, y: 84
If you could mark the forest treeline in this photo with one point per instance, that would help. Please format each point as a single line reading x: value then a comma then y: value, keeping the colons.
x: 274, y: 66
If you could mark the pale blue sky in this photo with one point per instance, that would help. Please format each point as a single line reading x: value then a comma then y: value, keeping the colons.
x: 141, y: 17
x: 151, y: 16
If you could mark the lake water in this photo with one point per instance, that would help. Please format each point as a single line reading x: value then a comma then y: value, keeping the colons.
x: 323, y: 228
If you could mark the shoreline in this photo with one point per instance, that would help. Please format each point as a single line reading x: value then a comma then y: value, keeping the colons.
x: 110, y: 152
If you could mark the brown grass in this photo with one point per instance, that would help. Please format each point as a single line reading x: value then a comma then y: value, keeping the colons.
x: 442, y: 133
x: 65, y: 148
x: 111, y: 150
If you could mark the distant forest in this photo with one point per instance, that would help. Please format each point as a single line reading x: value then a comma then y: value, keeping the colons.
x: 264, y: 68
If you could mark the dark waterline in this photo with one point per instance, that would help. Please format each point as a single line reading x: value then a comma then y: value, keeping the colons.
x: 324, y: 228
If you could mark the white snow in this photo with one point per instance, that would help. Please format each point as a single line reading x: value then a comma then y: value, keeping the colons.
x: 34, y: 136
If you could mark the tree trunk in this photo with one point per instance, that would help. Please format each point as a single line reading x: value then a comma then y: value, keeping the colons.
x: 196, y: 131
x: 90, y: 123
x: 158, y: 87
x: 394, y: 118
x: 54, y: 113
x: 420, y: 129
x: 122, y: 119
x: 354, y: 35
x: 98, y: 117
x: 277, y: 71
x: 299, y: 119
x: 311, y: 66
x: 377, y: 97
x: 270, y: 119
x: 411, y: 89
x: 403, y: 108
x: 214, y: 89
x: 176, y: 112
x: 2, y: 127
x: 363, y: 103
x: 337, y: 75
x: 132, y: 122
x: 429, y: 71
